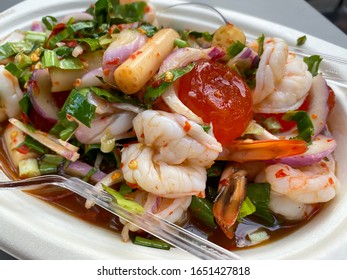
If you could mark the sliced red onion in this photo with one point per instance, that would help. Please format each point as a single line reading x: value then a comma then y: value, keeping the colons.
x: 81, y: 169
x: 320, y: 148
x: 37, y: 26
x: 318, y: 109
x: 125, y: 43
x: 128, y: 107
x: 246, y: 59
x: 91, y: 79
x: 105, y: 107
x: 182, y: 57
x: 175, y: 104
x: 39, y: 90
x: 114, y: 125
x: 102, y: 105
x: 77, y: 17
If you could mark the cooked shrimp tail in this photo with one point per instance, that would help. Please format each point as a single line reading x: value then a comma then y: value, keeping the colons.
x: 250, y: 150
x: 232, y: 191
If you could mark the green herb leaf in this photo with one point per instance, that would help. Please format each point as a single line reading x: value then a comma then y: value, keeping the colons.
x: 313, y: 63
x: 69, y: 32
x: 247, y: 208
x: 303, y: 122
x: 91, y: 42
x: 201, y: 208
x: 206, y: 128
x: 77, y: 105
x: 102, y: 12
x: 301, y: 40
x: 49, y: 22
x: 235, y: 48
x: 163, y: 82
x: 132, y: 12
x: 63, y: 51
x: 205, y: 35
x: 259, y: 195
x: 216, y: 169
x: 148, y: 29
x: 261, y: 40
x: 25, y: 103
x: 125, y: 189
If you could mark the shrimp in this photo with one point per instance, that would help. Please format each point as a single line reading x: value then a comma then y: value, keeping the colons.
x: 310, y: 184
x: 282, y: 79
x: 171, y: 157
x: 289, y: 209
x: 140, y: 169
x: 172, y: 210
x: 231, y: 194
x: 10, y: 95
x: 176, y: 138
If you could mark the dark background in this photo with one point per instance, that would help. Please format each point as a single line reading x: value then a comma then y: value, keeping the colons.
x: 334, y: 10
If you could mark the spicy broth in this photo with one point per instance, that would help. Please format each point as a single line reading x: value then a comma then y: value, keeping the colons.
x: 74, y: 205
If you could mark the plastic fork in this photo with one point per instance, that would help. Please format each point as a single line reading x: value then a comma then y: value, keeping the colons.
x: 165, y: 230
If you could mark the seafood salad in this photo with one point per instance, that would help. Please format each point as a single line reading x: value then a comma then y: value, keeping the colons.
x: 217, y: 133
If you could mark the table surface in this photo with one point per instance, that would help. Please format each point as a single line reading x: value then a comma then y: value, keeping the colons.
x: 307, y: 20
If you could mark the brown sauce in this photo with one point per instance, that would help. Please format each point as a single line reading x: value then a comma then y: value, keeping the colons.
x: 74, y: 205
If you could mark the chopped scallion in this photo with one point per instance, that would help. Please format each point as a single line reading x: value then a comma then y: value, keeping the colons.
x: 49, y: 22
x: 158, y: 244
x: 28, y: 168
x: 303, y: 122
x: 52, y: 159
x: 33, y: 145
x: 22, y: 60
x: 38, y: 37
x: 89, y: 174
x: 272, y: 124
x: 258, y: 237
x: 131, y: 205
x: 13, y: 69
x: 46, y: 168
x: 235, y: 48
x: 181, y: 43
